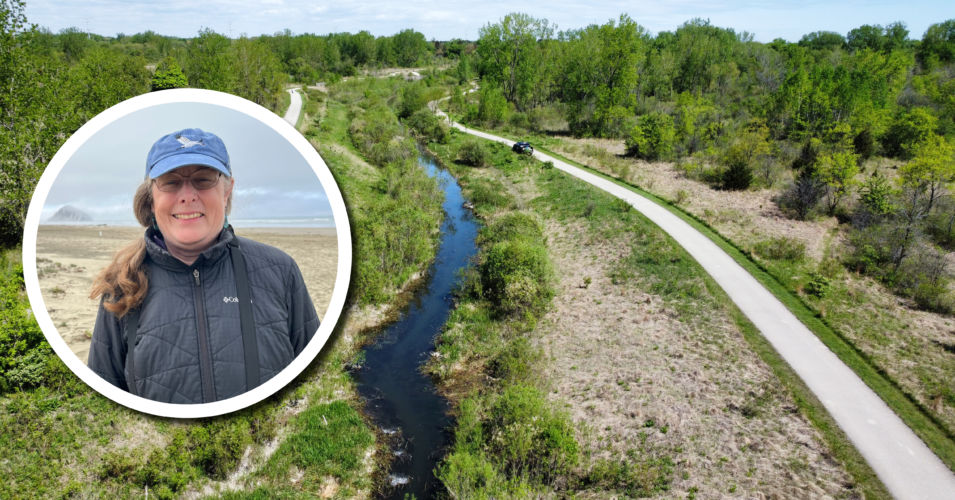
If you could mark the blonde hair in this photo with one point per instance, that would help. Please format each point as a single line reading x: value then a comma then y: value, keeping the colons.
x: 123, y: 283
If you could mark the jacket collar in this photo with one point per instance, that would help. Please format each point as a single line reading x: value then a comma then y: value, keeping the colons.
x: 156, y: 249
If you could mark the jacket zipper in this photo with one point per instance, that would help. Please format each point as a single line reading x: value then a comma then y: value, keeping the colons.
x: 205, y: 355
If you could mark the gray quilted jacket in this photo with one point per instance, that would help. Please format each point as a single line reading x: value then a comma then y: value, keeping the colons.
x: 189, y: 341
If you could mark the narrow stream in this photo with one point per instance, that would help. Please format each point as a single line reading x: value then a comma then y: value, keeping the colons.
x: 401, y: 399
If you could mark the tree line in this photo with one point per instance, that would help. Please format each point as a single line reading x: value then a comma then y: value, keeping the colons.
x: 53, y: 83
x: 859, y: 126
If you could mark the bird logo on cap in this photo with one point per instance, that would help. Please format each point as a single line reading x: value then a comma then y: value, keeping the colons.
x: 188, y: 143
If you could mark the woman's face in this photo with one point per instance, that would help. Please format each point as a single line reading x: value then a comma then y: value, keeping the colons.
x: 189, y: 218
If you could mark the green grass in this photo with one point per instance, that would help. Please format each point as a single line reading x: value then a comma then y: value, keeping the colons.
x: 328, y: 440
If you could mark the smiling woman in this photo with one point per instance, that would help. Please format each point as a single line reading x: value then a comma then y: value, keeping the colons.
x: 192, y: 317
x: 160, y: 332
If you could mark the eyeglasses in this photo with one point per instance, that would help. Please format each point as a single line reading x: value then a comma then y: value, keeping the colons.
x: 201, y: 181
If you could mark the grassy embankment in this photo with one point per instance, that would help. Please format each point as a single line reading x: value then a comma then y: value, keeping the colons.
x: 63, y: 439
x: 489, y: 361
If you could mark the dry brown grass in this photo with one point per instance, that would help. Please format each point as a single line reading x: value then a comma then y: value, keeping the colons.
x: 905, y: 342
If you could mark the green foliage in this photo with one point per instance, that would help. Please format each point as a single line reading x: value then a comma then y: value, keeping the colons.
x: 428, y: 126
x: 750, y: 149
x: 327, y: 439
x: 875, y: 195
x: 909, y: 131
x: 598, y: 75
x: 781, y: 248
x: 492, y: 108
x: 938, y: 44
x: 516, y: 277
x: 514, y: 57
x: 837, y: 170
x: 473, y: 153
x: 653, y: 137
x: 25, y: 356
x: 168, y: 75
x: 413, y: 98
x: 817, y: 286
x: 637, y: 476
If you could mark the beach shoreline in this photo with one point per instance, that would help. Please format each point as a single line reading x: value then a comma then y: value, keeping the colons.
x: 70, y: 256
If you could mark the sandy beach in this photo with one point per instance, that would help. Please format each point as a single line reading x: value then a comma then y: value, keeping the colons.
x: 69, y: 257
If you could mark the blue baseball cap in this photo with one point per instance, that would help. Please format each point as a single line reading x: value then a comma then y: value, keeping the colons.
x: 191, y: 146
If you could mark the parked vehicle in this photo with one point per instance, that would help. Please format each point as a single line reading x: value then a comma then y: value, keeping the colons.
x: 523, y: 147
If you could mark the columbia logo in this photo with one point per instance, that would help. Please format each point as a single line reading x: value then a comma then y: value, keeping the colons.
x: 227, y: 300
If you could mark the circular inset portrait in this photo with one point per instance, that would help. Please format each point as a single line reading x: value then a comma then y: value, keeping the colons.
x: 187, y: 253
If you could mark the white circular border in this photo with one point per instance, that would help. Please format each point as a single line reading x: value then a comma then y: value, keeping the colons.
x: 311, y: 156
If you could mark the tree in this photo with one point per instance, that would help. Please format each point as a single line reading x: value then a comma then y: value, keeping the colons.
x: 599, y: 73
x: 932, y: 168
x: 258, y: 74
x: 938, y: 44
x: 512, y: 58
x: 35, y: 114
x: 837, y: 170
x: 823, y: 40
x: 653, y: 136
x: 908, y: 132
x: 168, y: 75
x: 748, y: 150
x: 208, y: 63
x: 410, y: 47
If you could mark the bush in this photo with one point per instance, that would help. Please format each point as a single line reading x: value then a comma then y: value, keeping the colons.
x: 781, y: 248
x: 513, y: 226
x: 653, y: 137
x: 427, y: 125
x: 516, y: 276
x: 24, y: 353
x: 801, y: 198
x: 528, y: 437
x: 473, y: 153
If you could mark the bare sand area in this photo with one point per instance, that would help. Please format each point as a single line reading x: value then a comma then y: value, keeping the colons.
x: 70, y: 257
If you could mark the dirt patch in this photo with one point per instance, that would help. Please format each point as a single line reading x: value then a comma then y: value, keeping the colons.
x: 635, y: 375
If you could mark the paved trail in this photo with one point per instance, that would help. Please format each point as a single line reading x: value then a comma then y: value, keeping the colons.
x: 295, y: 107
x: 901, y: 460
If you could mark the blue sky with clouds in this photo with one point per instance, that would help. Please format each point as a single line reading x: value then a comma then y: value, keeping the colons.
x: 766, y: 20
x: 271, y: 178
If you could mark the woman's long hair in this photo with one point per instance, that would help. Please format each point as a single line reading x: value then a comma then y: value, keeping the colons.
x: 123, y: 283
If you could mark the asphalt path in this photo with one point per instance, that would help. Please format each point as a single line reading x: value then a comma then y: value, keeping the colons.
x: 295, y: 107
x: 900, y: 459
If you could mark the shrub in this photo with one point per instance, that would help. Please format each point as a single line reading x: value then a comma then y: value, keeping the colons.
x: 528, y: 437
x: 817, y: 286
x: 653, y: 137
x: 516, y: 362
x: 516, y: 276
x: 473, y: 153
x: 802, y: 196
x: 427, y: 125
x: 781, y: 248
x: 517, y: 225
x: 24, y: 352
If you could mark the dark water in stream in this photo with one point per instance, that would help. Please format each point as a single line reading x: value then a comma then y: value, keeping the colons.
x: 401, y: 399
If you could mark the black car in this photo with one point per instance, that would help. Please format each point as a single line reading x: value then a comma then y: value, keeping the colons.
x: 523, y: 147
